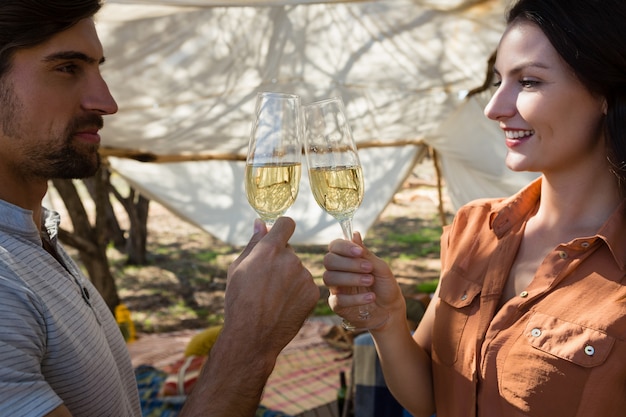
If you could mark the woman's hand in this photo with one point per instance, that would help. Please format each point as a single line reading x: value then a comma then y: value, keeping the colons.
x: 350, y: 265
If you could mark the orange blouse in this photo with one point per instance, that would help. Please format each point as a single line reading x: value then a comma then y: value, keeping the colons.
x: 556, y: 349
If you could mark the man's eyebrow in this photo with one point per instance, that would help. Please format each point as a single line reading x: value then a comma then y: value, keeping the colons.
x: 73, y: 55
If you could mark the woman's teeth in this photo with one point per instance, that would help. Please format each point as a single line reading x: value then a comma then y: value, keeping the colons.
x: 516, y: 134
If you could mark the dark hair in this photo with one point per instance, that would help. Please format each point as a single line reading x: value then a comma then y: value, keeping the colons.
x: 590, y: 36
x: 26, y: 23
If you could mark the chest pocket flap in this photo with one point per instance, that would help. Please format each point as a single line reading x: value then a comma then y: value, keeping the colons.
x: 457, y: 291
x: 575, y: 343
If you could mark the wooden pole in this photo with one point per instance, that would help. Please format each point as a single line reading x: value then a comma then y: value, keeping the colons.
x: 442, y: 212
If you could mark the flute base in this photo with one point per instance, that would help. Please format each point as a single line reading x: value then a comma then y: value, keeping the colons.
x: 369, y: 323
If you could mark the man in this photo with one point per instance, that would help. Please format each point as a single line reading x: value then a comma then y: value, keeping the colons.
x: 61, y: 352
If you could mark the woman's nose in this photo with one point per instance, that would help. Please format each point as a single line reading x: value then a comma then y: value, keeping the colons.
x: 501, y: 105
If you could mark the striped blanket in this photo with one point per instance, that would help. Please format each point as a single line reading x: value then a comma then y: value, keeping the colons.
x: 306, y: 375
x: 150, y: 381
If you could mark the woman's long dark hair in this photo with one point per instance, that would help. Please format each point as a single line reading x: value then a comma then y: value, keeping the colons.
x: 590, y: 35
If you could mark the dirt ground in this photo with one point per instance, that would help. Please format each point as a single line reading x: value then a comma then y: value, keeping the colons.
x: 183, y: 285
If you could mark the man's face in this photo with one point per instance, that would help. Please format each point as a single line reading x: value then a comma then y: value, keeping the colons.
x: 51, y: 105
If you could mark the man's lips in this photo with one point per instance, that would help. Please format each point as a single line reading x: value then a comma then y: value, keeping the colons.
x: 86, y: 127
x: 89, y: 136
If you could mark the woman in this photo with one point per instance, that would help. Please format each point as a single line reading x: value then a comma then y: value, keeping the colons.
x: 530, y: 315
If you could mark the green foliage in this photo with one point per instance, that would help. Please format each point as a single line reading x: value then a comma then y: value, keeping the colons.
x: 424, y: 242
x: 208, y: 256
x: 322, y: 308
x: 427, y: 287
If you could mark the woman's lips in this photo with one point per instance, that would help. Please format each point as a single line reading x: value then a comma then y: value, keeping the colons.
x: 518, y: 136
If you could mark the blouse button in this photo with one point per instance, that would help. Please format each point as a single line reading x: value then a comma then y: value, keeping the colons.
x: 562, y: 254
x: 464, y: 297
x: 585, y: 245
x: 535, y: 332
x: 523, y: 294
x: 589, y: 350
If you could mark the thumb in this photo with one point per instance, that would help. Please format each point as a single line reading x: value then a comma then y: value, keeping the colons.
x: 380, y: 267
x: 356, y: 238
x: 281, y: 231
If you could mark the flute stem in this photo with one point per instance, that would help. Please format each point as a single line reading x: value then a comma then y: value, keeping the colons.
x: 346, y: 227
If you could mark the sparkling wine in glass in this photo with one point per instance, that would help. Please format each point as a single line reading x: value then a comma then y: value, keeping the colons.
x: 336, y: 178
x: 273, y: 164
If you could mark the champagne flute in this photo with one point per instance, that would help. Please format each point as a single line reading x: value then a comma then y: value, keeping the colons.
x: 336, y: 178
x: 273, y: 164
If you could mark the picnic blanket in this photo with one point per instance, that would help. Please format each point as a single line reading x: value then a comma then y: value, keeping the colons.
x: 372, y: 398
x: 150, y: 383
x: 306, y: 375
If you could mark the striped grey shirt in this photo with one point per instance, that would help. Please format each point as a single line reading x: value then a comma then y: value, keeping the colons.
x: 59, y: 343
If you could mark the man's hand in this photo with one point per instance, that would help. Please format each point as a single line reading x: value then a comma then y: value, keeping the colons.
x: 269, y: 292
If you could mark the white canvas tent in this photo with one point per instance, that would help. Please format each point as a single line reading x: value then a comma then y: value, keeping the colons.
x: 185, y: 74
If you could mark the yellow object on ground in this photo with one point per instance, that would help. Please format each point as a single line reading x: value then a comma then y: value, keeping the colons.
x: 125, y: 322
x: 201, y: 344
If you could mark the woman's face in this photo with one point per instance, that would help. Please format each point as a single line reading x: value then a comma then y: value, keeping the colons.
x: 551, y: 122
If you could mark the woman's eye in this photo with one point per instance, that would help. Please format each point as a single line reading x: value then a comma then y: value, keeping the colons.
x: 529, y: 83
x: 496, y: 83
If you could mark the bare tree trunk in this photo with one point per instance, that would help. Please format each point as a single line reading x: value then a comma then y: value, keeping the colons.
x: 137, y: 207
x: 91, y: 242
x: 112, y: 232
x: 138, y: 234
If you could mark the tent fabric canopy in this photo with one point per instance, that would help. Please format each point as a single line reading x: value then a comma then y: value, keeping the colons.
x: 185, y: 74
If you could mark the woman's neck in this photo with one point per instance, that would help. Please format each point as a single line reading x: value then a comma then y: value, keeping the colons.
x: 581, y: 207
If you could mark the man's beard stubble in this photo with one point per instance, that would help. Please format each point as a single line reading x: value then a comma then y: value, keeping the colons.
x: 68, y: 163
x: 64, y: 161
x: 71, y: 161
